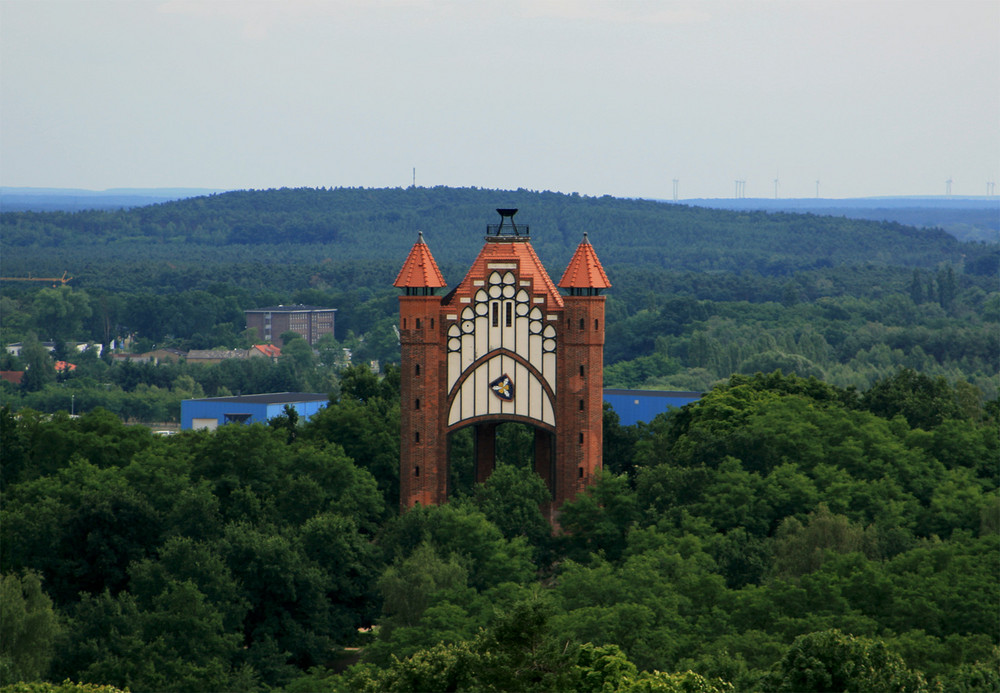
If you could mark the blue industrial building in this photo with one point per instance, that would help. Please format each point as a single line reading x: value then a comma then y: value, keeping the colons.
x: 633, y: 406
x: 213, y: 412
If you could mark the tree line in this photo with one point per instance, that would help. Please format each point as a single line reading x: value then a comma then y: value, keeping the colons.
x: 847, y: 326
x: 829, y: 526
x: 346, y: 223
x: 848, y: 301
x: 779, y: 534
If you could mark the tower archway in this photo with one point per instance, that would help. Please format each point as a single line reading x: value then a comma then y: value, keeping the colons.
x: 511, y: 443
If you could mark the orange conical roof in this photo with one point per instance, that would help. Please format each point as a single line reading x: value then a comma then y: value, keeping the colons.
x: 419, y: 270
x: 584, y: 270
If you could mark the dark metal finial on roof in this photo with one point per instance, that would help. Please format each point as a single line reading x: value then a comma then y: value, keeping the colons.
x: 512, y: 231
x: 504, y: 215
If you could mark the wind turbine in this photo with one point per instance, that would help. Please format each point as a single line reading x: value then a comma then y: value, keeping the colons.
x: 947, y: 186
x: 676, y: 181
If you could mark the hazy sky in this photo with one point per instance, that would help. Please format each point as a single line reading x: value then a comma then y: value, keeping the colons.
x: 614, y: 97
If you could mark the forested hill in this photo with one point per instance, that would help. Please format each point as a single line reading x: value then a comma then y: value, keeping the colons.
x: 365, y: 224
x: 965, y: 218
x: 698, y: 294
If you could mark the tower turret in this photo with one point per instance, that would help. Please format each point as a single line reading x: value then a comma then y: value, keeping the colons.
x: 579, y: 438
x: 423, y: 461
x: 419, y: 275
x: 584, y: 275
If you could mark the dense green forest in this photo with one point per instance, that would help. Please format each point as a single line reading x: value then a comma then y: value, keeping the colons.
x: 781, y: 534
x: 966, y: 218
x: 831, y: 526
x: 697, y: 294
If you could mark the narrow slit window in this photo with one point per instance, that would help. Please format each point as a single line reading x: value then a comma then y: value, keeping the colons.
x: 432, y: 324
x: 416, y: 436
x: 581, y: 405
x: 596, y: 323
x: 509, y: 313
x: 579, y: 472
x: 418, y: 323
x: 416, y: 470
x: 581, y: 325
x: 495, y: 313
x: 581, y: 437
x: 581, y: 370
x: 416, y: 370
x: 416, y: 404
x: 404, y: 323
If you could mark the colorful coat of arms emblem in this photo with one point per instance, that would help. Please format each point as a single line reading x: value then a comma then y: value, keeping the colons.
x: 503, y: 387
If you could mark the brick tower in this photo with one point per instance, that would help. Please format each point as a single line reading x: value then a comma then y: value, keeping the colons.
x: 503, y: 345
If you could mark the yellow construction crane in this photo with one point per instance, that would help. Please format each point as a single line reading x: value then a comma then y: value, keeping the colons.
x: 56, y: 281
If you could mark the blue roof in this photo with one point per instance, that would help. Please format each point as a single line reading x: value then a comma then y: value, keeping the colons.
x: 248, y: 408
x: 269, y: 398
x: 633, y: 406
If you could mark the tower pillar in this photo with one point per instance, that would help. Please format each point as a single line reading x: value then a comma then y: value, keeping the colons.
x: 486, y: 450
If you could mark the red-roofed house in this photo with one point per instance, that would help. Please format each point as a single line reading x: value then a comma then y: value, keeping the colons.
x: 13, y: 377
x: 268, y: 350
